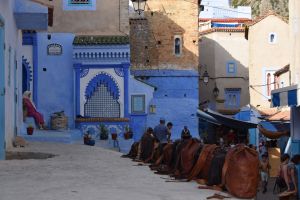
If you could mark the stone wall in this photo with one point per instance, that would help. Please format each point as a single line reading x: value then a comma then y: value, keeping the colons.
x: 105, y: 17
x: 266, y: 57
x: 152, y: 37
x: 294, y: 40
x: 217, y: 49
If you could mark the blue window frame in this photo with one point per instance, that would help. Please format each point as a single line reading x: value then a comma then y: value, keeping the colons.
x: 75, y: 5
x: 231, y: 68
x: 138, y: 104
x: 232, y: 97
x: 80, y: 2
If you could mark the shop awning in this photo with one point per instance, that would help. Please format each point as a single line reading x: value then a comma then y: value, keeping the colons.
x: 287, y: 96
x: 206, y: 117
x: 219, y: 119
x: 273, y: 131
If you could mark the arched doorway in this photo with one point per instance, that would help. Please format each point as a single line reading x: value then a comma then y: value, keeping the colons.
x: 25, y: 76
x: 2, y: 92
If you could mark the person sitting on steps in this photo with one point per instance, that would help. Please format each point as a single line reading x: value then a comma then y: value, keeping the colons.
x: 32, y: 111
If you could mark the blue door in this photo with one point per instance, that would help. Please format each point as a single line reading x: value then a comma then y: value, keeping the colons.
x: 232, y: 98
x: 16, y: 83
x: 2, y: 92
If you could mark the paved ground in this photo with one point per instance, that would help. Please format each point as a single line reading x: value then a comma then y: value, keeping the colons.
x: 269, y: 194
x: 81, y: 172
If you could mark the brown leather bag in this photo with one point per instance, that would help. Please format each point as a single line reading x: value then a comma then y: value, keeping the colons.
x: 240, y: 173
x: 163, y: 163
x: 207, y: 150
x: 205, y: 170
x: 167, y: 154
x: 133, y: 151
x: 186, y: 160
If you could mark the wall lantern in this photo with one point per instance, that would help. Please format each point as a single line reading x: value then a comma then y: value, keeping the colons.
x: 152, y: 109
x: 139, y: 5
x: 216, y: 91
x: 205, y: 77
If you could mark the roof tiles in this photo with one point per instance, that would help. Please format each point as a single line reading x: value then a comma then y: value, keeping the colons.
x: 89, y: 40
x: 222, y: 29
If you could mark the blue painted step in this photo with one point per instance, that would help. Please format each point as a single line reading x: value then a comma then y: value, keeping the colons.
x: 67, y: 136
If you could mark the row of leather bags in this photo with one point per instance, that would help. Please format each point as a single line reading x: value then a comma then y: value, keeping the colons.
x: 235, y: 169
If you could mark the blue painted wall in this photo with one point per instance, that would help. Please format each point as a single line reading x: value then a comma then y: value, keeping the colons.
x: 30, y: 15
x: 55, y: 85
x: 138, y: 122
x: 176, y: 98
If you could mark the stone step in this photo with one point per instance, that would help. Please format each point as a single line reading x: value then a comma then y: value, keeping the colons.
x: 65, y: 136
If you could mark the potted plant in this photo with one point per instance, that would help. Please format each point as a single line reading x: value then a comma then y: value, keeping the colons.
x: 88, y: 140
x: 103, y: 132
x: 128, y: 133
x: 114, y: 136
x: 30, y: 129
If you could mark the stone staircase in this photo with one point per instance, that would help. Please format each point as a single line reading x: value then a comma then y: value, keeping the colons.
x: 73, y: 136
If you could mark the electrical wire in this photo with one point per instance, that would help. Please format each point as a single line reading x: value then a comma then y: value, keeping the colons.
x: 262, y: 85
x: 259, y: 92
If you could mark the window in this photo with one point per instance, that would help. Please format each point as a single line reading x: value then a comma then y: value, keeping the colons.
x: 272, y: 38
x: 270, y: 82
x: 231, y: 68
x: 80, y: 2
x: 177, y: 45
x: 75, y: 5
x: 138, y: 104
x: 232, y: 97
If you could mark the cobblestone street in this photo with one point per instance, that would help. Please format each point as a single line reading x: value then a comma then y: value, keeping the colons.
x: 80, y: 172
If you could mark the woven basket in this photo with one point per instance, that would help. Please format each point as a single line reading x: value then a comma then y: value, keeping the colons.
x: 59, y: 122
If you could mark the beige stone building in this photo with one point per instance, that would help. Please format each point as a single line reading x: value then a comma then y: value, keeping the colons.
x: 103, y: 17
x: 153, y: 35
x: 290, y: 95
x: 294, y: 28
x: 269, y: 51
x: 224, y: 56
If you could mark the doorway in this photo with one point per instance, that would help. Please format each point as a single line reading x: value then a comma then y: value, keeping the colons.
x: 2, y: 92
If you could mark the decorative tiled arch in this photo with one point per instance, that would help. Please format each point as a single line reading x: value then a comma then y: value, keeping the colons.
x: 25, y: 63
x: 107, y: 80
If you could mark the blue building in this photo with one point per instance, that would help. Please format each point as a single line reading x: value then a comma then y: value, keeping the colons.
x: 165, y: 54
x: 85, y: 70
x: 15, y: 16
x: 89, y: 71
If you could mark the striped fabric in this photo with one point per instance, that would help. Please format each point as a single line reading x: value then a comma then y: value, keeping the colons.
x: 287, y: 96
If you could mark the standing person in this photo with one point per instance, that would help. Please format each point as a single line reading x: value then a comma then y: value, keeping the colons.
x: 161, y: 131
x: 262, y: 148
x: 169, y: 126
x: 231, y: 137
x: 264, y: 171
x: 185, y: 133
x: 289, y: 173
